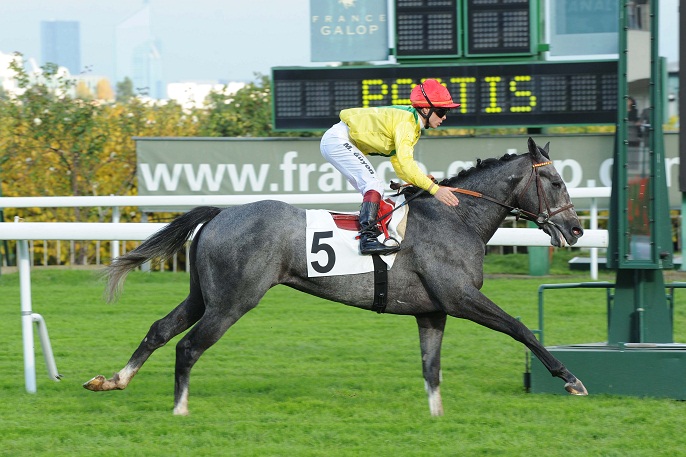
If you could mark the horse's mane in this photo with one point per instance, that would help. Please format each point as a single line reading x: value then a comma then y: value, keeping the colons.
x: 480, y: 165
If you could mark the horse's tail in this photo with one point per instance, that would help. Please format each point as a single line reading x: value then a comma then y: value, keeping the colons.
x: 161, y: 245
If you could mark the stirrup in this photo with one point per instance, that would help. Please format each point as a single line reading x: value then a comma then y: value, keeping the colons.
x: 371, y: 246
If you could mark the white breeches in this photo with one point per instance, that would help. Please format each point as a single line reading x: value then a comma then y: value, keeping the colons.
x: 340, y: 151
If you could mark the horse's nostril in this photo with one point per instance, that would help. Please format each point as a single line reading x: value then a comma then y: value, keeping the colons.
x: 577, y: 231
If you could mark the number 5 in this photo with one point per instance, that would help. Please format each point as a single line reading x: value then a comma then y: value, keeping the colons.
x: 317, y: 246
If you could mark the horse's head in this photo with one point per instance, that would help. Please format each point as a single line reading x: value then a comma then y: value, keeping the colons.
x: 544, y: 194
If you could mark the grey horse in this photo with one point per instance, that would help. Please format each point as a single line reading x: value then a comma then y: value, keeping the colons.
x: 241, y: 252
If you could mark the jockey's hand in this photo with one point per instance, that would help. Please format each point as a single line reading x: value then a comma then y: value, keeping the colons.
x: 446, y: 196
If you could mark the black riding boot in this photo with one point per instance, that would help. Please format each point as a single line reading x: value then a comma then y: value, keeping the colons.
x: 368, y: 232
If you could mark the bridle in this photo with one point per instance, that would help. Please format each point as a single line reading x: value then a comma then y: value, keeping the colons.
x: 544, y: 211
x: 541, y: 219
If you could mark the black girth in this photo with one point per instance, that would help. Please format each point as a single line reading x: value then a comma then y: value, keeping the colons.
x: 380, y: 284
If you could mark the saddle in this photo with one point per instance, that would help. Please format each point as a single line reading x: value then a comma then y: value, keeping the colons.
x: 351, y: 221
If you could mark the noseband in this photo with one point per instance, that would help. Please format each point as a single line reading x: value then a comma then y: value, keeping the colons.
x: 543, y: 217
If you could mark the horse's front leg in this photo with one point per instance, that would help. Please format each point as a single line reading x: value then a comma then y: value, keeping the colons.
x: 480, y: 309
x: 431, y: 327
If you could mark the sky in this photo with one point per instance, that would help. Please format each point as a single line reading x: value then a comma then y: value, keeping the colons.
x: 202, y: 40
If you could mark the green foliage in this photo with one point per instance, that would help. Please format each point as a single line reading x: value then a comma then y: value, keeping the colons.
x: 54, y: 143
x: 245, y: 113
x: 124, y: 90
x: 582, y: 129
x: 51, y: 134
x: 300, y: 376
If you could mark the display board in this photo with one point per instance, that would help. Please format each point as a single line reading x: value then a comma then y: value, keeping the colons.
x: 426, y: 28
x: 491, y: 95
x: 464, y: 28
x: 499, y: 27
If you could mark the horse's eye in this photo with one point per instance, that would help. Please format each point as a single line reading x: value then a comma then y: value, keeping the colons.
x: 557, y: 184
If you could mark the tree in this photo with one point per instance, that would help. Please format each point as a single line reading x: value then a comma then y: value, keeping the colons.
x: 52, y: 143
x: 245, y: 113
x: 83, y: 91
x: 125, y: 90
x: 103, y: 90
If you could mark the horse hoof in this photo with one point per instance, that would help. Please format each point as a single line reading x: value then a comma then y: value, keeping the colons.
x: 95, y: 384
x: 576, y: 388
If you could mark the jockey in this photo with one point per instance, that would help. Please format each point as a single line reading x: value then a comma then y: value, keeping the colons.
x: 390, y: 131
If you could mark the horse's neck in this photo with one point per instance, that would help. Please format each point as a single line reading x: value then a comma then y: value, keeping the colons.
x: 499, y: 184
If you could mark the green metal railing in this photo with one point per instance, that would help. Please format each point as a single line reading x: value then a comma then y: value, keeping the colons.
x: 608, y: 286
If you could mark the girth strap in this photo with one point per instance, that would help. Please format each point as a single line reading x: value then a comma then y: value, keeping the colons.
x: 380, y: 284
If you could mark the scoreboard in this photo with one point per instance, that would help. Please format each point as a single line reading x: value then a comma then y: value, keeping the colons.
x: 426, y: 28
x: 519, y: 94
x: 464, y: 28
x: 486, y: 52
x: 496, y: 27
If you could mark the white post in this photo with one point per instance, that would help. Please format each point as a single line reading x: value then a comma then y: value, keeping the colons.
x: 594, y: 226
x: 188, y: 257
x: 26, y: 314
x: 47, y: 347
x: 594, y: 251
x: 115, y: 243
x: 146, y: 266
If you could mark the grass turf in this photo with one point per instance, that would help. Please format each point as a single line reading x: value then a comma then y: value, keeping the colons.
x: 299, y: 376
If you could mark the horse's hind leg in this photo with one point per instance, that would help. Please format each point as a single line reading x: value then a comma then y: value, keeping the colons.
x: 163, y: 330
x: 431, y: 327
x: 209, y: 329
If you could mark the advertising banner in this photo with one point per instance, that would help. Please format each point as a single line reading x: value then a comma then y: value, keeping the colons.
x: 226, y: 166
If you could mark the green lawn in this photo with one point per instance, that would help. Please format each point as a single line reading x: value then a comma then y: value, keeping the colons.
x: 299, y: 376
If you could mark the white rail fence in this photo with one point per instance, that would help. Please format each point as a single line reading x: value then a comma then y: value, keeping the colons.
x: 24, y: 231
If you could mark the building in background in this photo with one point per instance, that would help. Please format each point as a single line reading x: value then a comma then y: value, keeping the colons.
x: 61, y: 44
x: 193, y: 94
x: 138, y: 55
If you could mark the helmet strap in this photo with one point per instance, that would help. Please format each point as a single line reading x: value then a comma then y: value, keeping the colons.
x: 432, y: 108
x: 426, y: 116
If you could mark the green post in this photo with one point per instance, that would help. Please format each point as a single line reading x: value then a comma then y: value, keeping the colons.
x: 640, y: 227
x: 539, y: 258
x: 640, y: 312
x: 640, y: 357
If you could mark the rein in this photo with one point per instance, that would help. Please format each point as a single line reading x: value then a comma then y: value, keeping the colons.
x: 407, y: 200
x: 540, y: 219
x: 543, y: 216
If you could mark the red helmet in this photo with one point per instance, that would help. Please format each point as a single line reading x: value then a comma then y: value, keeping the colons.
x: 431, y: 94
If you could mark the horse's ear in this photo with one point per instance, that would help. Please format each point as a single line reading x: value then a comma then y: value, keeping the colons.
x: 538, y: 154
x: 532, y: 146
x: 546, y: 150
x: 534, y: 150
